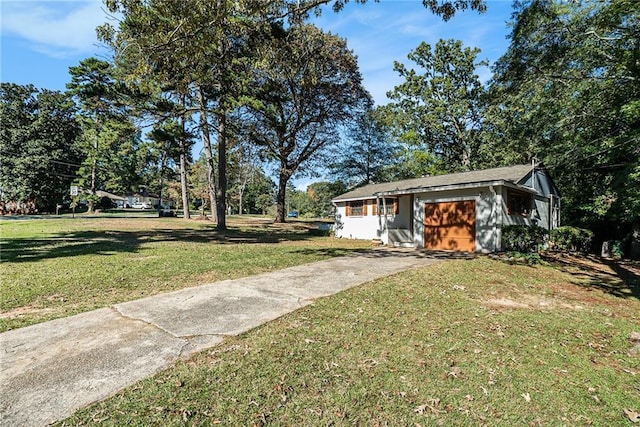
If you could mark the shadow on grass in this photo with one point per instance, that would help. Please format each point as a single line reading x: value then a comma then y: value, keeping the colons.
x: 617, y: 278
x: 386, y: 252
x: 72, y: 244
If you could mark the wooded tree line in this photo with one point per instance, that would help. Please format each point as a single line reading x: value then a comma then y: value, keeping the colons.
x: 566, y: 92
x: 256, y: 85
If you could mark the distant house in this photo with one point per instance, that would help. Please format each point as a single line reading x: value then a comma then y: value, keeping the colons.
x: 149, y: 199
x: 461, y: 211
x: 116, y: 200
x: 145, y: 198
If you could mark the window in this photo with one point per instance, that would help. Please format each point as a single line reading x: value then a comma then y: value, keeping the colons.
x: 355, y: 208
x: 518, y: 203
x: 391, y: 205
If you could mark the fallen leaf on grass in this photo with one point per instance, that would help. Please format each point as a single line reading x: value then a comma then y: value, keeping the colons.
x: 526, y: 396
x: 634, y: 416
x: 432, y: 405
x: 369, y: 363
x: 454, y: 372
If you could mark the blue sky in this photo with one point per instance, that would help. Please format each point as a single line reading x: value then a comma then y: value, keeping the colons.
x: 41, y: 39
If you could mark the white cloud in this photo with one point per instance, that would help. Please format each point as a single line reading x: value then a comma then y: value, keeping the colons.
x: 55, y: 28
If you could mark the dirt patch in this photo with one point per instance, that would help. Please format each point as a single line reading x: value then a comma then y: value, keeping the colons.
x: 28, y: 310
x: 635, y: 341
x: 589, y: 281
x: 532, y: 302
x: 620, y: 278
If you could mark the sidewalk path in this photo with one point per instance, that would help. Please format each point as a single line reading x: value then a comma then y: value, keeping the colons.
x: 49, y: 370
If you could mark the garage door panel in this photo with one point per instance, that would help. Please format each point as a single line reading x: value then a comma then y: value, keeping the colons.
x: 450, y: 226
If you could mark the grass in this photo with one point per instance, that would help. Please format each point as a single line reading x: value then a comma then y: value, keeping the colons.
x: 464, y: 342
x: 53, y: 268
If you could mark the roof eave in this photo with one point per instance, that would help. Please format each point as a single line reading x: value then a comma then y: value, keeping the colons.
x: 437, y: 188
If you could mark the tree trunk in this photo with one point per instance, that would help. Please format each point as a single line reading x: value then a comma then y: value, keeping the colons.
x: 184, y: 191
x: 221, y: 191
x: 161, y: 183
x: 183, y: 184
x: 94, y: 173
x: 208, y: 153
x: 283, y: 179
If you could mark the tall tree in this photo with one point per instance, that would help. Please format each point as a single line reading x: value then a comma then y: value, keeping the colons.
x: 368, y: 154
x: 105, y: 123
x: 321, y: 194
x: 308, y: 87
x: 170, y: 139
x: 204, y: 45
x: 38, y: 153
x: 567, y: 90
x: 195, y: 46
x: 243, y: 168
x: 439, y: 105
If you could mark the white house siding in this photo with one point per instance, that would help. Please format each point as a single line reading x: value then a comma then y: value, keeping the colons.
x: 487, y: 210
x: 370, y: 226
x: 366, y: 227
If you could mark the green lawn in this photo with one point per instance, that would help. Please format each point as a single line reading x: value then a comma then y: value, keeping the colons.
x: 464, y: 342
x: 58, y: 267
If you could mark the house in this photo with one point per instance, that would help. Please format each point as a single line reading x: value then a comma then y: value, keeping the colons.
x: 149, y: 199
x: 116, y: 200
x: 461, y: 211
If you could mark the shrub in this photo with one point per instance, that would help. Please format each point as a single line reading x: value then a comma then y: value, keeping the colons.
x: 571, y: 239
x: 523, y: 238
x: 617, y: 249
x: 105, y: 203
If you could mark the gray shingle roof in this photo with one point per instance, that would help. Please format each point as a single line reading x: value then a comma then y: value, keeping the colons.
x: 513, y: 174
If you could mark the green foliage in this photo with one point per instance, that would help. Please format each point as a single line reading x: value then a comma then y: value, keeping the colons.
x: 571, y: 239
x: 415, y: 161
x: 232, y: 47
x: 306, y: 86
x: 250, y: 190
x: 109, y: 139
x: 439, y: 105
x: 369, y: 155
x: 529, y: 258
x: 523, y: 238
x: 617, y: 249
x: 38, y: 151
x: 567, y: 91
x: 321, y: 194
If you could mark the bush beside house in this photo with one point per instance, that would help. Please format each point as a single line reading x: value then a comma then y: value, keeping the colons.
x: 571, y: 239
x: 523, y: 238
x: 533, y: 239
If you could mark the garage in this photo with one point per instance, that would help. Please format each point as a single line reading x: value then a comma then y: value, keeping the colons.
x: 450, y: 226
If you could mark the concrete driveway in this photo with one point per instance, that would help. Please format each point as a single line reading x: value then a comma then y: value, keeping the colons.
x: 49, y: 370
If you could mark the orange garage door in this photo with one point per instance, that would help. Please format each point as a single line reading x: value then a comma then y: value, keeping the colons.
x: 450, y: 226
